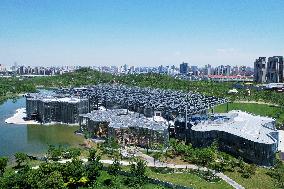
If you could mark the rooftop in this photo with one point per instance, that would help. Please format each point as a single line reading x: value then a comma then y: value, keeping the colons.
x: 120, y: 118
x: 53, y: 98
x: 254, y: 128
x: 151, y: 98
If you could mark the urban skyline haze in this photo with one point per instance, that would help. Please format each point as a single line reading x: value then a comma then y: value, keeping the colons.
x: 140, y: 33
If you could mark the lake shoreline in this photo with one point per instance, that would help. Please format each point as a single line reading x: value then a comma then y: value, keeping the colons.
x: 19, y: 118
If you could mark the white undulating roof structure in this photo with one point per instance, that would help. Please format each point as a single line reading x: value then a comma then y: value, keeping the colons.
x: 50, y: 98
x: 121, y: 118
x: 251, y: 127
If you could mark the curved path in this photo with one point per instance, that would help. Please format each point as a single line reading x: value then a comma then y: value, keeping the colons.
x: 151, y: 163
x: 254, y: 102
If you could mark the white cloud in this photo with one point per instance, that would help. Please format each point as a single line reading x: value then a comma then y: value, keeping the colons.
x: 226, y: 50
x: 177, y: 53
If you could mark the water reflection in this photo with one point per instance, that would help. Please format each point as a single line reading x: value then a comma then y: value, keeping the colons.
x: 32, y: 139
x: 53, y: 134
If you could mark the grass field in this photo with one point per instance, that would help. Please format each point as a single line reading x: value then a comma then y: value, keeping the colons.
x: 188, y: 179
x: 185, y: 179
x: 260, y: 180
x: 257, y: 109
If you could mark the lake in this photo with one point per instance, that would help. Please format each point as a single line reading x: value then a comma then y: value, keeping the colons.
x: 31, y: 139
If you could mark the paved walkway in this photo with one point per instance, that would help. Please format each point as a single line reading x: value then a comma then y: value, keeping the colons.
x: 254, y: 102
x: 151, y: 163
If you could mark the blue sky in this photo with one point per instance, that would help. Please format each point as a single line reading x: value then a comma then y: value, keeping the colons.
x: 140, y: 32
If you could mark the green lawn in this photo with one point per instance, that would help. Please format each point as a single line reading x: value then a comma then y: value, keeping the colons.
x: 188, y: 179
x: 258, y: 181
x: 185, y: 179
x: 258, y: 109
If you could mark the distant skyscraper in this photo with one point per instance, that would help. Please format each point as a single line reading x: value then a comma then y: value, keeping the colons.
x: 235, y: 70
x: 194, y: 70
x: 208, y: 69
x: 183, y: 68
x: 21, y: 70
x: 220, y: 70
x: 227, y: 70
x: 260, y: 70
x: 275, y: 69
x: 125, y: 68
x: 2, y: 68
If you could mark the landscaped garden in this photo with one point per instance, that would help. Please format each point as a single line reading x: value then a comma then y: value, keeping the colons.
x: 248, y: 175
x: 70, y: 174
x: 52, y: 174
x: 189, y: 178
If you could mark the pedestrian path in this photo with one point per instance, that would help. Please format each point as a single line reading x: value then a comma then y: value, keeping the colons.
x: 154, y: 163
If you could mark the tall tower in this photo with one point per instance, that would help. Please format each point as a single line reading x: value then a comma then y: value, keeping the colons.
x: 275, y: 69
x: 183, y: 68
x: 260, y: 70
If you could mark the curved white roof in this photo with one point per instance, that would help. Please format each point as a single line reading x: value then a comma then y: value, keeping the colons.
x: 255, y: 128
x: 119, y: 118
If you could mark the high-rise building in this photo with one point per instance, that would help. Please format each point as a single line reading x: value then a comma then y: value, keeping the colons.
x: 2, y: 68
x: 275, y: 69
x: 208, y: 69
x: 183, y: 68
x: 194, y: 70
x: 220, y: 70
x: 227, y: 70
x: 235, y: 70
x: 260, y: 70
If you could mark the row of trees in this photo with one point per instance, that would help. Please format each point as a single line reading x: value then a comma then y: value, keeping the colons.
x: 57, y: 152
x: 87, y: 76
x: 10, y: 87
x: 69, y: 175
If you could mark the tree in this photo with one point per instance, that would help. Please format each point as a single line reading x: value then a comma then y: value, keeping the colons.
x: 54, y: 152
x: 138, y: 172
x: 21, y: 158
x: 138, y: 169
x: 114, y: 167
x: 93, y: 156
x: 157, y: 156
x: 73, y: 169
x: 248, y: 170
x: 94, y: 165
x: 168, y: 154
x: 93, y: 170
x: 3, y: 164
x: 110, y: 147
x: 55, y: 180
x: 72, y: 153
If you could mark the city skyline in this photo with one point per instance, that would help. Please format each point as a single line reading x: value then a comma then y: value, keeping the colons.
x: 139, y: 33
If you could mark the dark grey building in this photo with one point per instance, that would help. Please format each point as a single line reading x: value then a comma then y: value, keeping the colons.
x: 254, y: 138
x: 260, y: 70
x: 183, y: 68
x: 275, y: 69
x: 128, y: 128
x: 48, y: 109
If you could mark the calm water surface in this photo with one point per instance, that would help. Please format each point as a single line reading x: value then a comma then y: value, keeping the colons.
x: 31, y: 139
